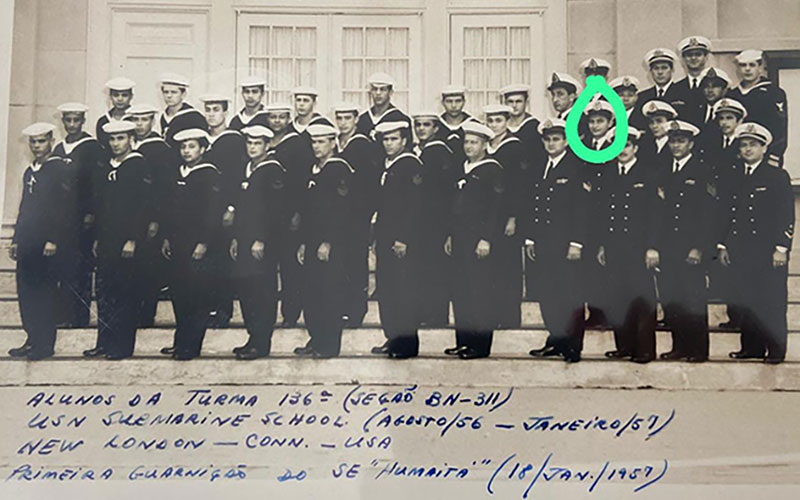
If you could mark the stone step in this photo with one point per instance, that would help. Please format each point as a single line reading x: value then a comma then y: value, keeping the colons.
x: 358, y: 342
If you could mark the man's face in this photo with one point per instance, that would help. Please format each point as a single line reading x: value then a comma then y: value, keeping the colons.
x: 120, y: 143
x: 498, y: 123
x: 278, y: 121
x: 661, y: 72
x: 658, y: 125
x: 346, y: 122
x: 680, y: 145
x: 751, y: 150
x: 252, y: 96
x: 714, y: 90
x: 322, y: 146
x: 453, y: 104
x: 554, y: 143
x: 599, y: 124
x: 172, y: 94
x: 561, y: 98
x: 518, y: 103
x: 628, y: 96
x: 256, y: 147
x: 73, y: 122
x: 304, y: 104
x: 695, y: 59
x: 144, y: 124
x: 426, y: 128
x: 728, y: 122
x: 380, y: 94
x: 628, y: 153
x: 393, y: 143
x: 214, y: 113
x: 121, y: 99
x: 750, y: 71
x: 191, y: 150
x: 474, y: 145
x: 41, y: 145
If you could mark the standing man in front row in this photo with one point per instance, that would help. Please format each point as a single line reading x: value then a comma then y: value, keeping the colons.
x: 757, y: 244
x: 38, y: 233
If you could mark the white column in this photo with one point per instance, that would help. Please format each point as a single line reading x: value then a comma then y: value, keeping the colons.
x: 6, y: 34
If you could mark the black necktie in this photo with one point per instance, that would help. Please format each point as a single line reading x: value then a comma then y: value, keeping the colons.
x: 660, y: 92
x: 547, y: 169
x: 725, y: 142
x: 694, y: 83
x: 748, y: 170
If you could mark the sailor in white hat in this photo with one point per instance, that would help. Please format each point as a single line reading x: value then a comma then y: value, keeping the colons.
x: 627, y: 88
x: 660, y: 63
x: 654, y: 147
x: 714, y: 85
x: 599, y: 117
x: 305, y: 100
x: 564, y: 91
x: 178, y: 115
x: 595, y: 66
x: 695, y: 51
x: 454, y: 97
x: 381, y: 90
x: 521, y: 123
x: 253, y: 90
x: 120, y: 93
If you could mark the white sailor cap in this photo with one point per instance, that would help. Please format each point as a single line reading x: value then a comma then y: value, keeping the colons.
x: 258, y: 131
x: 192, y: 133
x: 515, y: 88
x: 566, y: 81
x: 730, y: 105
x: 599, y: 106
x: 214, y: 98
x: 656, y: 107
x: 175, y: 79
x: 454, y: 90
x: 496, y: 109
x: 253, y: 81
x: 116, y: 127
x: 754, y: 131
x: 141, y: 109
x: 694, y: 42
x: 120, y: 83
x: 278, y: 107
x: 718, y: 74
x: 594, y: 64
x: 680, y: 127
x: 552, y: 125
x: 477, y: 128
x: 39, y: 128
x: 345, y: 107
x: 380, y: 80
x: 321, y: 130
x: 749, y: 55
x: 624, y: 82
x: 387, y: 127
x: 660, y: 55
x: 633, y: 133
x: 73, y: 107
x: 426, y: 114
x: 305, y: 90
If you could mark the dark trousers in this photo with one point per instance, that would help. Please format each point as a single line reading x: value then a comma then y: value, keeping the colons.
x: 475, y: 295
x: 761, y: 295
x: 561, y: 298
x: 118, y: 301
x: 291, y: 279
x: 152, y: 279
x: 682, y: 292
x: 192, y: 299
x: 37, y: 291
x: 258, y: 296
x: 630, y: 303
x: 723, y: 285
x: 434, y: 288
x: 398, y: 301
x: 509, y: 274
x: 323, y: 300
x: 76, y: 284
x: 357, y: 272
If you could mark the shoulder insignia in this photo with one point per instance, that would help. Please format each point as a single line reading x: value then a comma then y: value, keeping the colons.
x: 342, y: 189
x: 417, y: 179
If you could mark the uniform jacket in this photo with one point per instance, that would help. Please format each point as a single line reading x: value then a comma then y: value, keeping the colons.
x: 766, y: 104
x: 478, y: 202
x: 400, y: 200
x: 327, y: 205
x: 194, y: 210
x: 240, y: 120
x: 187, y: 117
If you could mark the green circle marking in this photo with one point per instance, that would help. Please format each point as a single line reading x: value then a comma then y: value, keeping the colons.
x: 596, y: 84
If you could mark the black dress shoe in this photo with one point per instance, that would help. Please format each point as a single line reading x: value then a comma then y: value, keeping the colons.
x: 728, y: 325
x: 304, y: 351
x: 617, y: 354
x: 252, y: 353
x: 21, y: 351
x: 472, y: 354
x: 642, y: 359
x: 696, y: 359
x: 184, y: 356
x: 547, y: 350
x: 744, y: 355
x: 672, y: 356
x: 572, y: 357
x: 95, y: 352
x: 322, y: 355
x: 453, y: 351
x: 402, y: 355
x: 242, y: 348
x: 34, y: 355
x: 773, y: 361
x: 552, y: 352
x: 381, y: 349
x: 117, y: 356
x: 168, y: 351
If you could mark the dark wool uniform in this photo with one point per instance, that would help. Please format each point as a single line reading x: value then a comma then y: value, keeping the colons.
x: 122, y: 204
x: 624, y: 202
x: 515, y: 159
x: 766, y: 105
x: 362, y: 154
x: 453, y: 136
x: 670, y: 95
x: 761, y: 220
x: 685, y: 222
x: 41, y: 218
x: 657, y: 156
x: 398, y: 279
x: 162, y: 169
x: 240, y: 120
x: 316, y: 119
x: 228, y: 153
x: 440, y: 174
x: 187, y: 117
x: 556, y: 218
x: 84, y: 156
x: 326, y: 216
x: 367, y: 121
x: 528, y: 133
x: 102, y: 136
x: 294, y: 154
x: 477, y: 205
x: 261, y: 215
x: 193, y: 218
x: 690, y: 101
